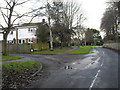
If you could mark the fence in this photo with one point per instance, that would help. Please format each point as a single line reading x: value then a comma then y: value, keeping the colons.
x: 115, y: 46
x: 24, y: 48
x: 18, y: 48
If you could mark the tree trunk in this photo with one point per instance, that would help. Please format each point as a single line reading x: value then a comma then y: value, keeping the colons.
x: 5, y: 44
x: 51, y: 38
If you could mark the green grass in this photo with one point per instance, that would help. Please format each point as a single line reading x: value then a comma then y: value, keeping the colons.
x: 15, y: 74
x: 20, y: 65
x: 81, y: 50
x: 55, y: 51
x: 8, y: 58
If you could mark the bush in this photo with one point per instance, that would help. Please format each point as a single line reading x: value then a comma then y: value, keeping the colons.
x: 41, y: 46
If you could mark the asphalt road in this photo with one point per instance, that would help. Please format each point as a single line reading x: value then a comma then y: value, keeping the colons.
x: 98, y: 69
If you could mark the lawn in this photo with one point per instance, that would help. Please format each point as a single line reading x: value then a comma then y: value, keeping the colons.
x: 8, y: 58
x: 15, y: 74
x: 55, y: 51
x: 20, y: 65
x: 82, y: 49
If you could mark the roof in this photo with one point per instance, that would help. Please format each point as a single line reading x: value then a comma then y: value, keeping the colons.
x: 31, y: 24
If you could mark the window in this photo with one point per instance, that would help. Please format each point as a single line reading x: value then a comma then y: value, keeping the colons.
x: 19, y: 41
x: 31, y: 29
x: 11, y: 32
x: 23, y: 41
x: 28, y: 29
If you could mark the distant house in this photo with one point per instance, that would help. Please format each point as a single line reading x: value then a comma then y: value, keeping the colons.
x: 24, y: 33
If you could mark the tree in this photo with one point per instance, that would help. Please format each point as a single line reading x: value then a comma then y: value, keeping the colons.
x: 109, y: 22
x: 89, y: 36
x: 42, y: 33
x: 49, y: 12
x: 63, y: 17
x: 92, y: 36
x: 9, y: 16
x: 80, y: 30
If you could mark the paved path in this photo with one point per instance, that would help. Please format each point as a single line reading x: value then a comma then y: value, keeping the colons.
x: 28, y: 59
x: 98, y: 69
x: 23, y: 59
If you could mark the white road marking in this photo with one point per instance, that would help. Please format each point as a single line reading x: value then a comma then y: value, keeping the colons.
x: 73, y: 63
x: 93, y: 82
x: 103, y: 53
x: 101, y: 64
x: 97, y: 59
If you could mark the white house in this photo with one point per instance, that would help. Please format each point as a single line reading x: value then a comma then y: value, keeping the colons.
x: 24, y: 33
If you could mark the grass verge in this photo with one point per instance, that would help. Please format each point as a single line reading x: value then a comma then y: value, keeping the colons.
x: 8, y: 58
x: 55, y: 51
x: 17, y: 74
x: 81, y: 50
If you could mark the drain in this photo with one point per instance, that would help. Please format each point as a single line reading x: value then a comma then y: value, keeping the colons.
x: 68, y: 67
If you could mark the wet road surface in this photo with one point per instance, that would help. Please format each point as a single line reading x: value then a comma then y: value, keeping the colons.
x: 98, y: 69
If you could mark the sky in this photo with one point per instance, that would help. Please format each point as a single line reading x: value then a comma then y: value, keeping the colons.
x: 93, y: 11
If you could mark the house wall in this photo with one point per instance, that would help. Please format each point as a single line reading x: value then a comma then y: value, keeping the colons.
x: 1, y: 37
x: 25, y: 34
x: 11, y: 36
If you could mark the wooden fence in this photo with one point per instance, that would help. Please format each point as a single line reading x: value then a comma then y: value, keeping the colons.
x: 24, y: 48
x: 18, y: 48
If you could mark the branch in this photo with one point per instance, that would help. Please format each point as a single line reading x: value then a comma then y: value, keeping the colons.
x: 33, y: 18
x: 3, y: 15
x: 4, y: 8
x: 22, y: 2
x: 18, y: 18
x: 1, y: 25
x: 8, y: 3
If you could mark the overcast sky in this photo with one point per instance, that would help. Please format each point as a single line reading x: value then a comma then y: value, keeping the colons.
x: 93, y: 10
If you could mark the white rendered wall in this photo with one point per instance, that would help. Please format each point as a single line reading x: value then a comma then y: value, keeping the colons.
x: 11, y: 36
x: 1, y: 37
x: 24, y: 33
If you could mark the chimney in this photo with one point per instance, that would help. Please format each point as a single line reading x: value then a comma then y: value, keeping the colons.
x: 43, y: 20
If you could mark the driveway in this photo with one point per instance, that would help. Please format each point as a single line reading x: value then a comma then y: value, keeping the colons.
x: 98, y: 69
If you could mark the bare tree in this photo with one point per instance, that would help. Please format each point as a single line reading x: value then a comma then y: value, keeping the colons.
x: 109, y: 22
x: 10, y: 16
x: 71, y: 11
x: 80, y: 30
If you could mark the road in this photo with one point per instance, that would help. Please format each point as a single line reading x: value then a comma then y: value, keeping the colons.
x: 98, y: 69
